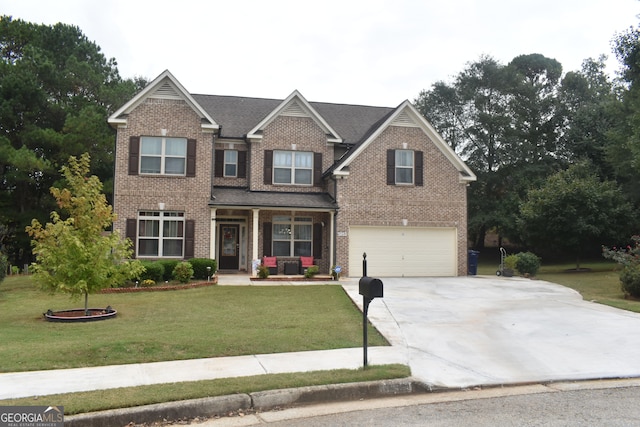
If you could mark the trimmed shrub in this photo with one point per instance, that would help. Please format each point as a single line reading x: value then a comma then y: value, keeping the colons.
x: 511, y: 261
x: 183, y: 272
x: 152, y: 271
x: 200, y: 267
x: 263, y: 271
x: 528, y: 263
x: 3, y: 266
x: 630, y: 280
x: 169, y: 265
x: 311, y: 271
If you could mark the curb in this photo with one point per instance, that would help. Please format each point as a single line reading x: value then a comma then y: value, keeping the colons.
x: 262, y: 401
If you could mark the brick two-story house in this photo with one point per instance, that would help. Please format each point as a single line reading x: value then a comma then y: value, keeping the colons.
x: 236, y: 179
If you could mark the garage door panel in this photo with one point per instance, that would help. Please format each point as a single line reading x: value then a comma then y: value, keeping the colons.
x: 403, y: 251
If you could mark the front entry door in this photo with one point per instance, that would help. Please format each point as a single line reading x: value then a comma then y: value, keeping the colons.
x: 229, y: 247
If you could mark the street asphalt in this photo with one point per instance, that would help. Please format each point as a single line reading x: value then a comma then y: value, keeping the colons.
x: 454, y: 333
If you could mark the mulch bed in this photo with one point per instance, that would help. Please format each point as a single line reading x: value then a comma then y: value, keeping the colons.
x: 214, y: 281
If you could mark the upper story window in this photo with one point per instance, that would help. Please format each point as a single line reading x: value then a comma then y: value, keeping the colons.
x: 161, y: 234
x: 405, y: 167
x: 163, y: 155
x: 231, y: 163
x: 293, y: 167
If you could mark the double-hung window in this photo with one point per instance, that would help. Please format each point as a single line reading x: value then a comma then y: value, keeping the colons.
x: 161, y: 234
x: 293, y: 167
x: 404, y: 167
x: 163, y: 155
x: 231, y: 163
x: 292, y: 236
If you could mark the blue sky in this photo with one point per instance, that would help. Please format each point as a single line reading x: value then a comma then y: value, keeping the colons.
x: 372, y: 52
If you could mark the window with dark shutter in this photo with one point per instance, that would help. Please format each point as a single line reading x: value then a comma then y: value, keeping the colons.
x: 131, y: 233
x: 189, y: 238
x: 419, y: 165
x: 268, y: 166
x: 218, y: 169
x: 242, y: 164
x: 191, y: 157
x: 391, y: 167
x: 134, y: 154
x: 317, y: 240
x: 317, y: 169
x: 267, y: 231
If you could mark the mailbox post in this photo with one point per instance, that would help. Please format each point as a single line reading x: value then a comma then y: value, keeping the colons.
x: 369, y: 288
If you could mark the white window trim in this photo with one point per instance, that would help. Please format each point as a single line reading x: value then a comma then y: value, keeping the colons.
x: 161, y: 217
x: 412, y: 167
x: 292, y: 223
x: 293, y: 168
x: 163, y: 156
x: 225, y: 163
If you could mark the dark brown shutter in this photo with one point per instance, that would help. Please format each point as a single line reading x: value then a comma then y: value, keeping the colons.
x: 131, y: 233
x: 317, y: 169
x: 391, y: 167
x: 191, y: 157
x: 317, y: 240
x: 242, y: 164
x: 189, y: 237
x: 267, y: 232
x: 218, y: 168
x: 419, y: 168
x: 268, y: 166
x: 134, y: 154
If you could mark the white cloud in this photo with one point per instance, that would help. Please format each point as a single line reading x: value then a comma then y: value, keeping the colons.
x: 377, y: 52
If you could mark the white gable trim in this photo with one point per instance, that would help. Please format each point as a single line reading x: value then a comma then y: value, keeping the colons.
x: 407, y: 115
x: 165, y: 86
x: 297, y: 106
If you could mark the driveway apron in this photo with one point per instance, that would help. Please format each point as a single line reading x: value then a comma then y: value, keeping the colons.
x: 483, y: 330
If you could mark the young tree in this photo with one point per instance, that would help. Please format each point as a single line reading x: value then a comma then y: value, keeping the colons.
x: 574, y: 211
x: 77, y: 255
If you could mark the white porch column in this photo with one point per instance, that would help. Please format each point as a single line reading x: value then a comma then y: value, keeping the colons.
x: 212, y: 234
x: 254, y: 252
x: 331, y: 239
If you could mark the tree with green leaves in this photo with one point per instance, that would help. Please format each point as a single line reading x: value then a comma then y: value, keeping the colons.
x: 502, y: 120
x: 56, y: 91
x: 575, y: 212
x: 74, y: 252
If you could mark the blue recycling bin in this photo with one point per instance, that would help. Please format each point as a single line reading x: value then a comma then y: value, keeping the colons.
x: 472, y: 258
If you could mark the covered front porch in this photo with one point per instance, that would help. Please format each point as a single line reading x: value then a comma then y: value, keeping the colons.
x: 246, y: 226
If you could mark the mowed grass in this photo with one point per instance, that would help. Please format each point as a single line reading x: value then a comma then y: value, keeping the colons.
x: 172, y: 325
x: 599, y: 282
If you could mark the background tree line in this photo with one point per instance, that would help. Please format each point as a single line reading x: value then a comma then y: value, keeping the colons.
x: 527, y: 129
x: 56, y: 91
x: 557, y: 154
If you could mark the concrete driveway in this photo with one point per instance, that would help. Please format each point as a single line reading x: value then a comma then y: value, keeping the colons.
x: 483, y: 330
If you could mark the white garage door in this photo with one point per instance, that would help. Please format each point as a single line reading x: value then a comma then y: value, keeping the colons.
x: 403, y: 251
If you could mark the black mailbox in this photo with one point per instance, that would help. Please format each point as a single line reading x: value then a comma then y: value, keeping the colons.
x: 371, y: 287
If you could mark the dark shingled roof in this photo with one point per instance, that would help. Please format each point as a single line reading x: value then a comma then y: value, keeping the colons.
x: 238, y: 115
x: 241, y: 197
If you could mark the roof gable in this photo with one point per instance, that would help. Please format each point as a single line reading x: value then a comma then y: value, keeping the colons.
x: 406, y: 115
x: 165, y: 86
x: 294, y: 105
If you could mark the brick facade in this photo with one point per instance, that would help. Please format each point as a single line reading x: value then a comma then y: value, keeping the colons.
x: 361, y: 195
x: 135, y: 193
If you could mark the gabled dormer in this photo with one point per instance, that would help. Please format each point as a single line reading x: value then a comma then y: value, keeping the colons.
x: 405, y: 115
x: 295, y: 105
x: 165, y: 86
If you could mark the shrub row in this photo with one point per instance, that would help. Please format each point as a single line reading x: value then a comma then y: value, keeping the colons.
x: 165, y: 270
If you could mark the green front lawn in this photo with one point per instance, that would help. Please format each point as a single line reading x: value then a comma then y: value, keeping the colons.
x: 600, y: 283
x: 171, y: 325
